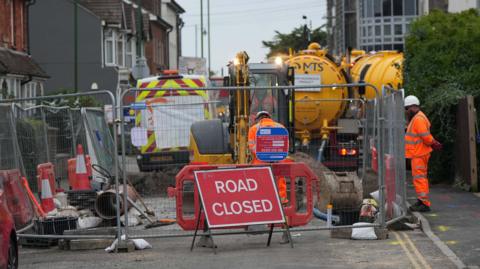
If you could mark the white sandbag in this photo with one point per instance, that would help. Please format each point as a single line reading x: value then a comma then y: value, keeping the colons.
x: 68, y: 212
x: 133, y: 218
x: 363, y: 233
x: 88, y: 222
x: 112, y: 247
x: 141, y: 244
x: 86, y: 213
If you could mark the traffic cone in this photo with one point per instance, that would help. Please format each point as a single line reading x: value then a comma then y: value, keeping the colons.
x: 47, y: 197
x: 83, y: 183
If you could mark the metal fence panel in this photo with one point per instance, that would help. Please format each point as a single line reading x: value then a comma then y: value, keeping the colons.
x: 166, y: 124
x: 46, y: 139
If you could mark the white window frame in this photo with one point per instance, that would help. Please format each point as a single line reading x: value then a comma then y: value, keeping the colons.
x: 130, y: 53
x: 109, y: 38
x: 120, y: 38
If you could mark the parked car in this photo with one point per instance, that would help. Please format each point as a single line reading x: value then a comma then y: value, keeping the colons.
x: 8, y: 236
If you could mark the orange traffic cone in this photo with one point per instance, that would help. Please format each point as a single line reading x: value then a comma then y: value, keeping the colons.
x: 47, y: 197
x: 82, y: 182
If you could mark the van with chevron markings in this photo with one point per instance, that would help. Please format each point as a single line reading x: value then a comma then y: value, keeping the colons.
x: 168, y: 116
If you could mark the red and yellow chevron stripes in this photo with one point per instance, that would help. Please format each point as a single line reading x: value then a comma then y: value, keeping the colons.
x: 171, y: 83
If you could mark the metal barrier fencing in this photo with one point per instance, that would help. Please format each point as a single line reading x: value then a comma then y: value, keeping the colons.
x: 390, y: 167
x: 392, y: 126
x: 142, y: 191
x: 68, y: 156
x: 160, y: 135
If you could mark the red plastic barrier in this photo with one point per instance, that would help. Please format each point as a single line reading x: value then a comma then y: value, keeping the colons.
x: 72, y: 176
x: 291, y: 171
x: 49, y: 170
x: 390, y: 183
x: 17, y: 200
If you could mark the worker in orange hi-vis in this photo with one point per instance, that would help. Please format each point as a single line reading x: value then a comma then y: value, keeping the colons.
x: 418, y: 146
x: 264, y: 119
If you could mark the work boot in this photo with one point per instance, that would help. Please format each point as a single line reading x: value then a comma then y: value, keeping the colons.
x: 419, y: 206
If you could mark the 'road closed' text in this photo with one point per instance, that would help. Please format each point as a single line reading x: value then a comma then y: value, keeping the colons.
x: 244, y: 207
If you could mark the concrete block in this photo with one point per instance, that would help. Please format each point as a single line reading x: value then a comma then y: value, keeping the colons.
x: 126, y: 246
x: 89, y: 244
x: 64, y: 244
x: 94, y: 231
x: 344, y: 233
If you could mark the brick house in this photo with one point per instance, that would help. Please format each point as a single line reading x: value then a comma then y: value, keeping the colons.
x: 156, y: 49
x: 20, y: 75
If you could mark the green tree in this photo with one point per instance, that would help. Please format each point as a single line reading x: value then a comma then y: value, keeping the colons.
x: 296, y: 40
x: 442, y: 64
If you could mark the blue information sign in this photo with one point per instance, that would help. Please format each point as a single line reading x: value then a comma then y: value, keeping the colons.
x: 272, y: 144
x: 138, y: 106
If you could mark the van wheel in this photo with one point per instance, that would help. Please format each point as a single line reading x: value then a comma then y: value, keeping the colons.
x: 12, y: 254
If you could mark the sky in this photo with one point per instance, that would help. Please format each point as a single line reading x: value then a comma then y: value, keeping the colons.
x: 237, y: 25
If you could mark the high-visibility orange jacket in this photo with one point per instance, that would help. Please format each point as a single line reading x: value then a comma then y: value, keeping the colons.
x: 252, y: 137
x: 418, y: 140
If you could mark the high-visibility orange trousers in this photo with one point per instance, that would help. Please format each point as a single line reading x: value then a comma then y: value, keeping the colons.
x: 420, y: 180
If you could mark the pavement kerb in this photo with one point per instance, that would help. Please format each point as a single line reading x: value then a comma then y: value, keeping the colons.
x: 425, y: 226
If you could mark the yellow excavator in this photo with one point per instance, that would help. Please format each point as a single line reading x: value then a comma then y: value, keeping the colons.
x: 225, y: 142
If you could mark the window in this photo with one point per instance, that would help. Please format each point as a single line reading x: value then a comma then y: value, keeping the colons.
x: 120, y: 50
x: 130, y: 53
x: 407, y: 28
x: 377, y: 8
x: 397, y: 7
x: 39, y: 89
x: 410, y: 7
x: 378, y: 30
x: 387, y: 7
x: 109, y: 47
x: 398, y: 29
x: 387, y: 29
x: 370, y: 8
x: 115, y: 46
x: 4, y: 90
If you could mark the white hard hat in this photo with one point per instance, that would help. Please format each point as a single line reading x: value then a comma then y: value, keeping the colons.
x: 411, y: 100
x: 262, y: 113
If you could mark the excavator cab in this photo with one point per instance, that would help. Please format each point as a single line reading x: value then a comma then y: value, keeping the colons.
x: 243, y: 105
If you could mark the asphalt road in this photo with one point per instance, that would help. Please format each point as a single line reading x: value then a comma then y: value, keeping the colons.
x: 410, y: 249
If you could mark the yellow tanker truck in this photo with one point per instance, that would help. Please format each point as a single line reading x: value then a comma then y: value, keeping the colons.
x: 325, y: 123
x: 382, y: 69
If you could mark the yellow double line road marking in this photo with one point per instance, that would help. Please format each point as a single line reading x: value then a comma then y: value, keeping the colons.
x: 416, y: 258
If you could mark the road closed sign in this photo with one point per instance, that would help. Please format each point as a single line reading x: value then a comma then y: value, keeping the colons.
x: 240, y: 196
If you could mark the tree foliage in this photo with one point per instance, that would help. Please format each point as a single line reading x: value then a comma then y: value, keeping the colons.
x: 442, y: 65
x: 296, y: 40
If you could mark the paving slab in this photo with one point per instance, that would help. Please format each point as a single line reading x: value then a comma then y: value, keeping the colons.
x: 455, y: 220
